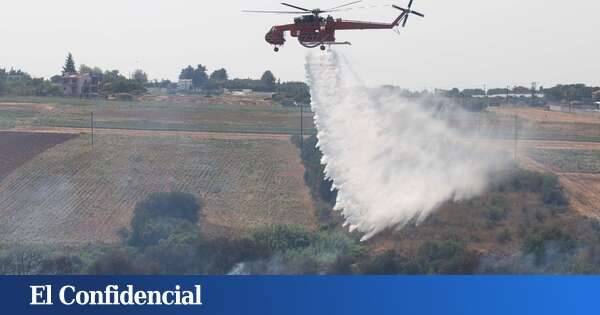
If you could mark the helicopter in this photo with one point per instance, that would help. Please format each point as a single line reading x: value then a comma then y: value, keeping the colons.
x: 313, y: 30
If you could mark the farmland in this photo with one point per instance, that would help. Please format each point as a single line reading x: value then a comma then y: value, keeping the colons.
x: 568, y: 161
x: 75, y: 194
x: 173, y: 113
x: 18, y: 148
x: 234, y: 153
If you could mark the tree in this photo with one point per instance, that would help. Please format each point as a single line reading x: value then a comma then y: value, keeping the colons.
x: 95, y: 72
x: 200, y: 78
x: 114, y: 75
x: 69, y: 67
x: 187, y: 73
x: 268, y: 79
x: 156, y: 217
x: 2, y: 81
x: 219, y: 76
x: 140, y: 76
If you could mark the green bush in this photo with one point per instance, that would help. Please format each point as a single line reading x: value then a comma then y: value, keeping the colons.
x: 176, y: 205
x: 446, y: 257
x: 283, y: 237
x: 120, y: 262
x: 541, y: 242
x: 163, y: 214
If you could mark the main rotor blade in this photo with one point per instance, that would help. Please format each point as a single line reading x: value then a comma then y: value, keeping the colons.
x: 343, y: 5
x: 400, y: 8
x: 410, y: 4
x: 276, y: 12
x: 296, y: 7
x: 419, y: 14
x: 405, y: 19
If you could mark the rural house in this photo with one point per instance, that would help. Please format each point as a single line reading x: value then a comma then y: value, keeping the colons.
x: 80, y: 85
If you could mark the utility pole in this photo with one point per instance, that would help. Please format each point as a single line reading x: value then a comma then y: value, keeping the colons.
x: 533, y: 93
x: 487, y: 102
x: 516, y: 137
x: 301, y: 127
x: 92, y: 127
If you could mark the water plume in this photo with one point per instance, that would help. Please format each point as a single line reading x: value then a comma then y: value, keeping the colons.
x: 394, y: 161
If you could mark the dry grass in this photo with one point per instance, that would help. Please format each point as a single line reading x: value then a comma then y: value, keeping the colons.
x: 72, y: 194
x: 540, y: 115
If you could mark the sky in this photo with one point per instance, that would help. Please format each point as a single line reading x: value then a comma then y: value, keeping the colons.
x: 461, y: 43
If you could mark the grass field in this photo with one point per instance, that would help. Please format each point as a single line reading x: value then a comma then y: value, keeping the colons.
x: 226, y: 114
x: 73, y: 194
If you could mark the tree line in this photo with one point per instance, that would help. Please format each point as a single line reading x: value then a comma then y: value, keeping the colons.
x: 110, y: 82
x: 559, y: 93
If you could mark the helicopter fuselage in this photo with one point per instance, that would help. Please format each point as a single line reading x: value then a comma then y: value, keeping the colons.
x: 313, y: 31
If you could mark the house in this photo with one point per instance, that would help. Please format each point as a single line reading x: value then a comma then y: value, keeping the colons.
x: 80, y: 85
x: 184, y: 85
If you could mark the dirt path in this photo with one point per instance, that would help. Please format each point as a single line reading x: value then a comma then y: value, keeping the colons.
x: 155, y: 133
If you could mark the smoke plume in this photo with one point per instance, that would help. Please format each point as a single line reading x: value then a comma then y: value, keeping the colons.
x: 393, y: 160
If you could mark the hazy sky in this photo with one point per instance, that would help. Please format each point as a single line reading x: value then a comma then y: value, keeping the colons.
x: 463, y: 43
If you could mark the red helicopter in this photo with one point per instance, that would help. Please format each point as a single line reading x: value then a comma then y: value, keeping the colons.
x: 312, y: 30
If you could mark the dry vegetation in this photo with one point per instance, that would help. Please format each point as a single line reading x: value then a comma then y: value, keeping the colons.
x: 73, y: 194
x: 175, y: 113
x: 18, y: 148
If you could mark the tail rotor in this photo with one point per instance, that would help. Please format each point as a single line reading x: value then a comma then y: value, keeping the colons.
x: 407, y: 12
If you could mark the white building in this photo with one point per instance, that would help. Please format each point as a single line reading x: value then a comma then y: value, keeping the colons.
x: 184, y: 85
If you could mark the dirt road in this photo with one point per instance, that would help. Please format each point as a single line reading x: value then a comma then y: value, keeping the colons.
x: 154, y: 133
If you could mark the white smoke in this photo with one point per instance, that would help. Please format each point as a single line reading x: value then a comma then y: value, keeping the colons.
x: 393, y: 161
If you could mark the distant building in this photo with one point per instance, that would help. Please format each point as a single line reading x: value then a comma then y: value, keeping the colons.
x: 80, y: 85
x: 15, y: 77
x: 184, y: 85
x: 575, y: 107
x: 514, y: 95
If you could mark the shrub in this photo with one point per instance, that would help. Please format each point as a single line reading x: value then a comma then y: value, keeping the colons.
x: 61, y: 265
x: 540, y: 243
x: 176, y: 205
x: 119, y: 262
x: 152, y: 232
x: 220, y: 255
x: 283, y: 237
x: 446, y: 257
x: 504, y: 236
x: 387, y: 263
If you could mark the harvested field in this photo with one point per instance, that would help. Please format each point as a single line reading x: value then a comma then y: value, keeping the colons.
x: 568, y: 161
x: 72, y: 194
x: 540, y: 115
x: 174, y: 113
x: 18, y: 148
x: 582, y: 188
x: 262, y: 99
